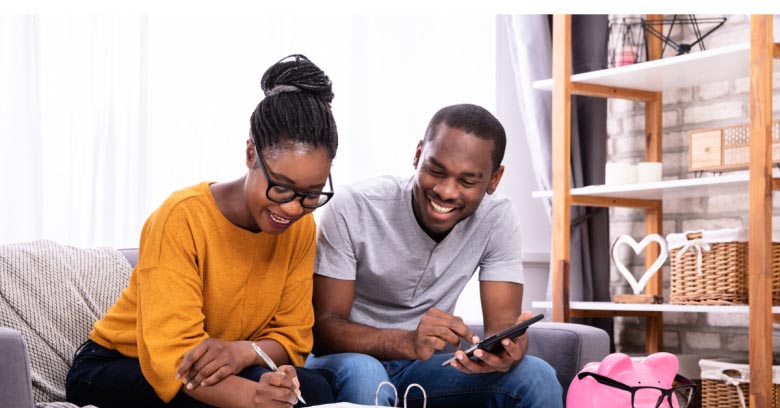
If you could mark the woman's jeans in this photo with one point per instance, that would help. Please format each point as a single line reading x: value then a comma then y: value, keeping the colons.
x: 106, y: 378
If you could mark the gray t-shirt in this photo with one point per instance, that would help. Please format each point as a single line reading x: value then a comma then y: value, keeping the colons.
x: 368, y: 234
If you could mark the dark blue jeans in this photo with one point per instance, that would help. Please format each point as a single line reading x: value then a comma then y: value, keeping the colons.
x: 107, y: 378
x: 530, y: 384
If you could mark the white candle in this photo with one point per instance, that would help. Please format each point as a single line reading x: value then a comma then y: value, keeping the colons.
x: 649, y: 172
x: 619, y: 173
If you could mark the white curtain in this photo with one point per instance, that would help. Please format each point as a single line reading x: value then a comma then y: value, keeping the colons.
x: 102, y: 117
x: 529, y: 40
x: 72, y: 122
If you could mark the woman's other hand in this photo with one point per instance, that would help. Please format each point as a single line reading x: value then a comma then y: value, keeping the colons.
x: 211, y: 361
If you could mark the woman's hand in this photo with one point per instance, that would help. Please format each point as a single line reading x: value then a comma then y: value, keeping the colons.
x: 210, y: 362
x: 278, y: 389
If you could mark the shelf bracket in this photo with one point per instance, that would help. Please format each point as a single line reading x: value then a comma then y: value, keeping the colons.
x: 597, y: 201
x: 776, y: 51
x: 578, y: 88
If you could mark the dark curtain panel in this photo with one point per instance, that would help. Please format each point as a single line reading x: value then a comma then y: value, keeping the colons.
x: 589, y: 155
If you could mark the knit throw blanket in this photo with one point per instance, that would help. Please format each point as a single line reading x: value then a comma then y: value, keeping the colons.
x: 52, y: 294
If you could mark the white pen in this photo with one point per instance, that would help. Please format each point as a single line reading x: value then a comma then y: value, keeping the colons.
x: 271, y: 364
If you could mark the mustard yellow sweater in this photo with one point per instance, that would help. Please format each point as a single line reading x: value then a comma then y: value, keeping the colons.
x: 200, y: 276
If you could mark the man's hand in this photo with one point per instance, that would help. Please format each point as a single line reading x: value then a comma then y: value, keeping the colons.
x: 502, y: 361
x: 210, y: 362
x: 435, y: 330
x: 278, y: 389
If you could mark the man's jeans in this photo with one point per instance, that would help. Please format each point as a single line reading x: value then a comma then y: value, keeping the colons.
x: 531, y: 383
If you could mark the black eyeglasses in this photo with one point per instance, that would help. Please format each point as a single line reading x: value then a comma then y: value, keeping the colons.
x: 646, y: 396
x: 282, y: 193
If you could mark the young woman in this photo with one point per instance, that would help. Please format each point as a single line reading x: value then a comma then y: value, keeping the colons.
x: 225, y: 265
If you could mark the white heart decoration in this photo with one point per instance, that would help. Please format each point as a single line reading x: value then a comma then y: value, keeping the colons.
x: 638, y: 248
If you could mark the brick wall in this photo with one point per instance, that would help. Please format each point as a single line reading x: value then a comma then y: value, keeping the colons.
x: 706, y: 106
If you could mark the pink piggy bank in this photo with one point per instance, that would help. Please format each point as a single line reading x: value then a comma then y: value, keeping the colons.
x: 657, y: 370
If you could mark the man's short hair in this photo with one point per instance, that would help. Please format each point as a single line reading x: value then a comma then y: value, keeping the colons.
x: 474, y: 120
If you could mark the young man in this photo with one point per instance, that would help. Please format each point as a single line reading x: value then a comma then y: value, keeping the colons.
x: 393, y: 254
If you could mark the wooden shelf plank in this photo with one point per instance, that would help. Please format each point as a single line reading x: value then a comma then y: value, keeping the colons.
x: 719, y: 64
x: 664, y: 307
x: 732, y: 183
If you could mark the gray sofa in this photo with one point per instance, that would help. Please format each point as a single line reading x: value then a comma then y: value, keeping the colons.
x: 567, y: 347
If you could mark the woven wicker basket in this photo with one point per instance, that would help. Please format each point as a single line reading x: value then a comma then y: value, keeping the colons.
x: 717, y: 394
x: 724, y: 274
x: 776, y: 273
x: 721, y: 377
x: 723, y: 279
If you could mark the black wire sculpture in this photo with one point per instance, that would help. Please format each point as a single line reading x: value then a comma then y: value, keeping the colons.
x: 655, y: 28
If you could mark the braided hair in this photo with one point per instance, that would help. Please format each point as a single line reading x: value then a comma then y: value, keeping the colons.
x: 296, y: 108
x: 474, y: 120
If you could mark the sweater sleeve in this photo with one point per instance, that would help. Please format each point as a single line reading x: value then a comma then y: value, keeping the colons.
x: 291, y: 325
x: 170, y: 301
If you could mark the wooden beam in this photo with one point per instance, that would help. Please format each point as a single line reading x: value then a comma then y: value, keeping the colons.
x: 654, y: 44
x: 598, y: 201
x: 561, y: 165
x: 654, y: 325
x: 612, y: 92
x: 760, y: 217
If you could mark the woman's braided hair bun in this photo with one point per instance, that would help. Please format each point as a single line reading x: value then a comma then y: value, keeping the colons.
x: 296, y: 73
x: 296, y: 107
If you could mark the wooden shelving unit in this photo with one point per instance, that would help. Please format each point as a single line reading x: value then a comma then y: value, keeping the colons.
x: 645, y: 82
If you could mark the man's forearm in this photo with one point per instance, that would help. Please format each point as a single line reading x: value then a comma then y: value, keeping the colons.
x: 333, y: 334
x: 492, y: 328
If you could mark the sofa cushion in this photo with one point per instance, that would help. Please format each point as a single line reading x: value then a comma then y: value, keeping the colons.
x: 567, y: 347
x: 52, y: 294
